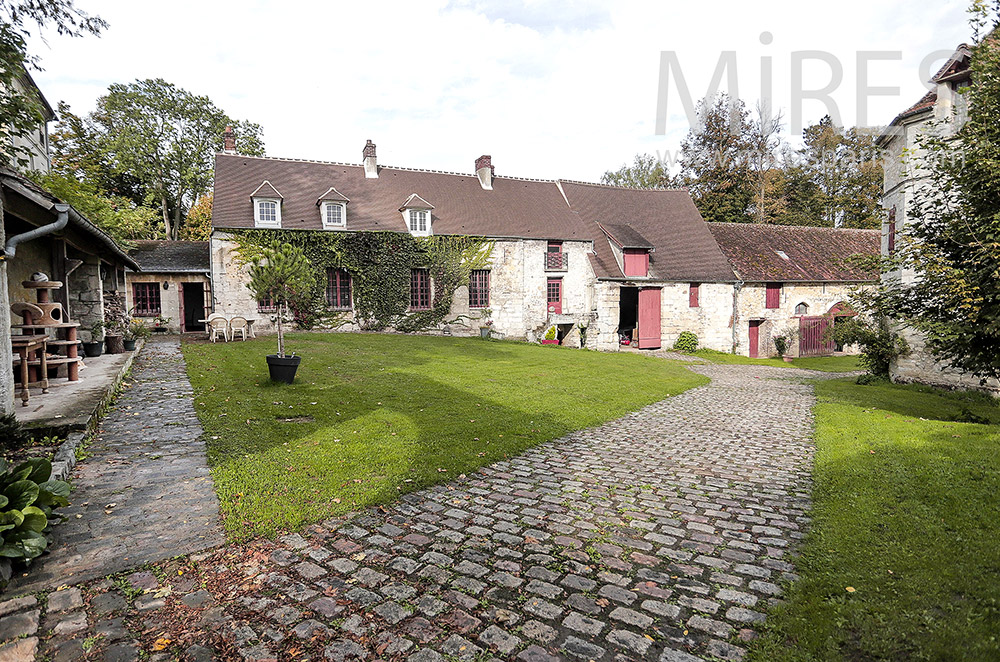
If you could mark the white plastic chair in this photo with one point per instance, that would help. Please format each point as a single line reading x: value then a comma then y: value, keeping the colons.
x: 218, y: 326
x: 238, y: 324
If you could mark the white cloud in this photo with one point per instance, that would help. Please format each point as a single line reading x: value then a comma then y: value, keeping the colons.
x: 548, y: 91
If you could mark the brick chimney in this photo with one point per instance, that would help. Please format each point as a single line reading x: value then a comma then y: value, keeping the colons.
x: 484, y: 171
x: 371, y: 167
x: 229, y: 141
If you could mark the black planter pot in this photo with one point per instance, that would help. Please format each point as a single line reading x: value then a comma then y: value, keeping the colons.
x: 283, y: 369
x: 129, y: 345
x: 93, y: 349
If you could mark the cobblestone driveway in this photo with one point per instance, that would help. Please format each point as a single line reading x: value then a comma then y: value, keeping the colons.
x: 661, y: 536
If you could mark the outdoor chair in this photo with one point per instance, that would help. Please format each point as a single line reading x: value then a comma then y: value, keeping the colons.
x: 238, y: 324
x: 218, y: 326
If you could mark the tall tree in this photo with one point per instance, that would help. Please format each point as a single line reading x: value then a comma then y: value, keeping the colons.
x: 20, y: 109
x: 763, y: 138
x: 714, y: 161
x: 198, y: 223
x: 646, y: 171
x: 153, y: 140
x: 952, y: 240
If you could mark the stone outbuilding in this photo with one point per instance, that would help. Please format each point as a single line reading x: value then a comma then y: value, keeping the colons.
x: 175, y: 283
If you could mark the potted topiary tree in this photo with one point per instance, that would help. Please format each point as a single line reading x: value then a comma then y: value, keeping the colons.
x: 281, y: 276
x: 550, y: 337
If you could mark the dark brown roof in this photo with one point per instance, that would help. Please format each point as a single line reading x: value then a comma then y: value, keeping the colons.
x: 813, y: 254
x: 683, y: 248
x: 265, y: 190
x: 172, y: 256
x: 514, y: 208
x: 625, y: 236
x: 416, y: 202
x: 955, y: 68
x: 333, y: 195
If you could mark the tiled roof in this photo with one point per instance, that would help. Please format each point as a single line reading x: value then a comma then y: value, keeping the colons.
x: 416, y: 202
x: 811, y: 254
x: 333, y: 195
x: 265, y: 190
x: 172, y: 256
x: 625, y: 236
x: 514, y: 208
x: 683, y: 248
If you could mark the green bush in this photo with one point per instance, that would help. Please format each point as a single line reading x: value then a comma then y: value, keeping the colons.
x: 879, y: 344
x: 781, y: 345
x: 27, y: 499
x: 551, y: 333
x: 686, y: 342
x: 12, y: 435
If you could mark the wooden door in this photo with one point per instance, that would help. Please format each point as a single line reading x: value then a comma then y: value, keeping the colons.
x: 754, y: 338
x: 812, y: 336
x: 553, y: 295
x: 649, y: 318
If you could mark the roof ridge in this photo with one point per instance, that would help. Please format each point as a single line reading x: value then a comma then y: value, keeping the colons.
x: 621, y: 188
x: 782, y: 225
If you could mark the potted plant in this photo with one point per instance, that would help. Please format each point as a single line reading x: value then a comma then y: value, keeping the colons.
x: 116, y: 319
x: 95, y: 347
x: 487, y: 327
x: 550, y: 337
x: 281, y: 274
x: 781, y: 346
x: 160, y: 324
x: 136, y: 329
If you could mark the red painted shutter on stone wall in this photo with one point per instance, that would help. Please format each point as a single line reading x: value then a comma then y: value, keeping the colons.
x: 636, y: 262
x: 693, y: 293
x: 772, y: 298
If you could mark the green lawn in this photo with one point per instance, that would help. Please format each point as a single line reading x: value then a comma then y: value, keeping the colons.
x: 907, y: 514
x: 372, y: 416
x: 822, y: 363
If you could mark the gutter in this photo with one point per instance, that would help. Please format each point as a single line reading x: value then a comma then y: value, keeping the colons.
x: 61, y: 222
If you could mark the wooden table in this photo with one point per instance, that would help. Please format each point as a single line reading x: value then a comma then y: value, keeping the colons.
x: 24, y: 346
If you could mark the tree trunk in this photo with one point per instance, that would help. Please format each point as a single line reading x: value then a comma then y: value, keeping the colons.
x: 166, y: 216
x: 281, y: 331
x: 176, y: 230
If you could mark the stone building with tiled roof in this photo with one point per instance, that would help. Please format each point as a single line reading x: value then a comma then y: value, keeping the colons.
x: 626, y: 265
x: 175, y: 283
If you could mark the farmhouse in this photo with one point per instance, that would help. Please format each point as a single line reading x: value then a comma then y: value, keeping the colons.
x: 606, y: 267
x: 174, y: 283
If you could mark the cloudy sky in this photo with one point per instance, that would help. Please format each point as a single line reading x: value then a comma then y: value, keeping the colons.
x: 550, y: 89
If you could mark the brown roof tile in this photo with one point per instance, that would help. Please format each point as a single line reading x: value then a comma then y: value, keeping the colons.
x: 333, y: 195
x: 265, y: 190
x: 683, y: 248
x: 625, y: 236
x: 514, y: 208
x: 171, y: 256
x: 814, y: 254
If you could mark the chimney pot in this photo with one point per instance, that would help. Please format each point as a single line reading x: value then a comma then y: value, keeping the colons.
x: 371, y: 166
x: 484, y: 171
x: 229, y: 141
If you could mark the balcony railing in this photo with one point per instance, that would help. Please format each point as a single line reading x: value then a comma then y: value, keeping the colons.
x: 556, y: 261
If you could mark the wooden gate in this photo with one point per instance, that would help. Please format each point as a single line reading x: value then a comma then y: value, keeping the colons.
x: 811, y: 336
x: 649, y: 318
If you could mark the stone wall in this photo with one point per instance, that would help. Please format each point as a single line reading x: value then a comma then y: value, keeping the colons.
x: 820, y: 297
x: 517, y: 290
x: 170, y: 298
x: 86, y: 295
x: 6, y: 357
x: 919, y: 366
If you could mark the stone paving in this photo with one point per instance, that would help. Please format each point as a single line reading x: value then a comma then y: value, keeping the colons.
x: 144, y: 492
x: 661, y: 536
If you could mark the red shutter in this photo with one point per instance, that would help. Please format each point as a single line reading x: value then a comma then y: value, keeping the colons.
x: 693, y: 295
x: 636, y: 262
x: 773, y: 296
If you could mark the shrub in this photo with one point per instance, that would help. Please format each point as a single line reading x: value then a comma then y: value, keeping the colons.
x: 12, y: 435
x: 686, y: 342
x: 879, y: 345
x: 27, y: 499
x: 551, y: 333
x: 781, y: 345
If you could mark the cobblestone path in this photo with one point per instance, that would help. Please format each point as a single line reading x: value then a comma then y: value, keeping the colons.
x: 662, y: 536
x: 144, y: 492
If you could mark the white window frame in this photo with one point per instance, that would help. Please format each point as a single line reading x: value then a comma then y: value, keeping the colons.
x: 413, y: 219
x: 343, y: 215
x: 258, y: 222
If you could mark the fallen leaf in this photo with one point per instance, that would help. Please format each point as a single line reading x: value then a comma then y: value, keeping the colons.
x: 850, y: 589
x: 161, y: 643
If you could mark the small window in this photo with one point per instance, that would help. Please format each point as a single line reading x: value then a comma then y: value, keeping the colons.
x: 267, y: 212
x: 802, y: 308
x: 772, y: 298
x: 338, y: 289
x: 146, y: 299
x: 693, y: 294
x: 419, y: 221
x: 420, y: 289
x: 267, y: 305
x: 334, y: 215
x: 479, y: 288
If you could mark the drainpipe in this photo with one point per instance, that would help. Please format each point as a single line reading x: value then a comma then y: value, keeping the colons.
x: 63, y: 219
x: 737, y: 286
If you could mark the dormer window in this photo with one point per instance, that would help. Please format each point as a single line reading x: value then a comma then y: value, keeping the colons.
x: 334, y: 215
x: 267, y: 213
x: 418, y: 221
x: 266, y: 206
x: 417, y: 216
x: 333, y: 209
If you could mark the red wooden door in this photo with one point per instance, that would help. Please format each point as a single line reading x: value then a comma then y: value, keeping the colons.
x: 754, y: 338
x: 649, y: 318
x: 812, y: 336
x: 553, y: 292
